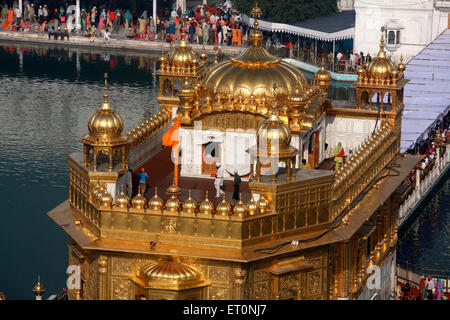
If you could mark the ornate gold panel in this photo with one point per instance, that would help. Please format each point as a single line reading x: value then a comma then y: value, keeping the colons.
x: 261, y: 291
x: 219, y: 293
x: 313, y: 283
x: 121, y: 289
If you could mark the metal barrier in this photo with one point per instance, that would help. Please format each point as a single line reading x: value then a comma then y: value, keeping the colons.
x: 311, y: 57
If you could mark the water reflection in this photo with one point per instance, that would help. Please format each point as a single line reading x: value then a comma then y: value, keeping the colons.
x: 48, y: 95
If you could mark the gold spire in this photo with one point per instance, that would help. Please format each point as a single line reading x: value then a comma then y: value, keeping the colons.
x: 106, y: 105
x: 39, y: 289
x: 256, y: 35
x: 382, y: 53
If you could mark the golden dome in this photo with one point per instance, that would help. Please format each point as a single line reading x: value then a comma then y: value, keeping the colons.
x: 381, y: 66
x: 138, y: 201
x: 263, y: 204
x: 206, y: 207
x: 2, y: 296
x: 323, y: 77
x: 156, y: 202
x: 106, y: 199
x: 252, y: 207
x: 277, y: 138
x: 169, y: 273
x: 94, y: 191
x: 223, y: 208
x: 254, y: 72
x: 240, y: 209
x: 122, y: 199
x: 183, y: 54
x: 189, y: 205
x: 173, y: 205
x: 105, y: 125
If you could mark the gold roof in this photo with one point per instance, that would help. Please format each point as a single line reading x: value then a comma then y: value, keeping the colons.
x: 381, y: 66
x: 254, y: 73
x: 169, y: 273
x: 276, y: 136
x: 2, y: 296
x: 105, y: 125
x: 183, y: 54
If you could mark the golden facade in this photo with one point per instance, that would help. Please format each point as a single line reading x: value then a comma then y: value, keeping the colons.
x: 305, y: 235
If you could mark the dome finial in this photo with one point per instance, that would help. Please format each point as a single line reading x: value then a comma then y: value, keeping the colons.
x: 39, y: 289
x: 382, y: 53
x: 256, y: 35
x: 106, y: 87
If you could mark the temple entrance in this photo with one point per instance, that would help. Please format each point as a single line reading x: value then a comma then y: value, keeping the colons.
x: 210, y: 155
x: 314, y: 149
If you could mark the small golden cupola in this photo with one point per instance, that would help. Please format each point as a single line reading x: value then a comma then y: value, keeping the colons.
x: 223, y: 208
x: 183, y: 55
x: 381, y: 83
x: 105, y: 136
x: 156, y: 202
x: 189, y: 206
x: 206, y: 207
x: 381, y: 70
x: 322, y: 78
x: 122, y: 200
x: 39, y: 289
x: 170, y: 278
x: 138, y: 202
x: 273, y: 145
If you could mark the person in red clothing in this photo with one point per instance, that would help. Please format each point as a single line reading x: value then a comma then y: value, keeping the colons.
x: 112, y: 17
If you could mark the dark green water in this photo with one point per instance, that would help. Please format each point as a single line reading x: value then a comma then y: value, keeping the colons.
x: 47, y: 96
x: 424, y: 242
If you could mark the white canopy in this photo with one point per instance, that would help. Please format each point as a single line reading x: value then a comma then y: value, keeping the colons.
x: 309, y: 33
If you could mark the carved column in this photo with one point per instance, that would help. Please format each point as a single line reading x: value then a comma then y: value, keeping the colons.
x: 379, y: 235
x: 102, y: 279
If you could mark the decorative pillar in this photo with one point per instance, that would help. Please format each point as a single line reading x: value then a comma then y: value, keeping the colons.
x: 103, y: 262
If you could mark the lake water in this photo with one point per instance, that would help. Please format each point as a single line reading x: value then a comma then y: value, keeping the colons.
x: 425, y: 240
x: 47, y: 95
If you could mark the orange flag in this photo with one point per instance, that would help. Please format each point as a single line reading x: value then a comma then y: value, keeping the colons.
x: 170, y: 139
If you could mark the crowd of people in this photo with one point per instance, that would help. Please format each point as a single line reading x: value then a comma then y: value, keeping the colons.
x: 427, y: 149
x: 201, y: 24
x: 429, y: 289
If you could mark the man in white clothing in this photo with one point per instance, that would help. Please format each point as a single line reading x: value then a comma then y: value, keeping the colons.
x: 218, y: 183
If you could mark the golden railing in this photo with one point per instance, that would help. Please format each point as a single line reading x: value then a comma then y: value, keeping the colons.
x: 147, y: 128
x: 367, y: 162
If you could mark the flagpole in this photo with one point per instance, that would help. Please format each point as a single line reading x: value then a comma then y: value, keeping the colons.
x: 175, y: 172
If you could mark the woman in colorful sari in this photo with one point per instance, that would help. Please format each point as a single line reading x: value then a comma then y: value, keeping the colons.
x: 101, y: 23
x: 422, y: 289
x: 439, y: 289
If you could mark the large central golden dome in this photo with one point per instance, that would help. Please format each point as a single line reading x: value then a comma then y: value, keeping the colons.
x: 255, y: 72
